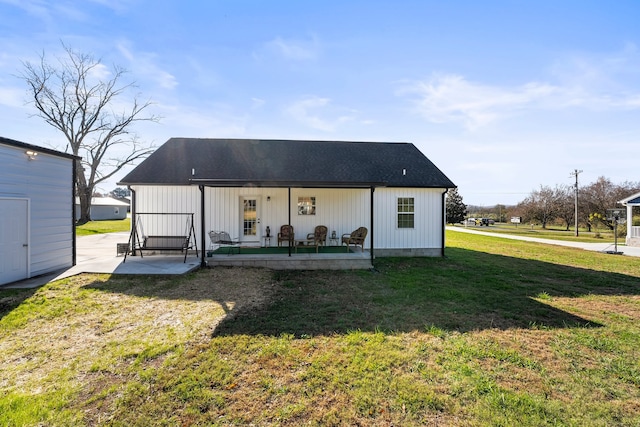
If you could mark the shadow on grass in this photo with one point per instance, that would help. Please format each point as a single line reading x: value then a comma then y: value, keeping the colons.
x: 12, y: 298
x: 466, y: 291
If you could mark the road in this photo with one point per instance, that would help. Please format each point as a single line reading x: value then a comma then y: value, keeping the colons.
x: 604, y: 247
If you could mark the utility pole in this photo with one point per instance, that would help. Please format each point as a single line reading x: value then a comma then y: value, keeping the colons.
x: 575, y: 173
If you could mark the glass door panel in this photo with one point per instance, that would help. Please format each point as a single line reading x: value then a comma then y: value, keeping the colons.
x: 250, y: 219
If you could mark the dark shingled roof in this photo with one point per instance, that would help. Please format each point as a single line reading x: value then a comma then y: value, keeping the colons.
x: 278, y: 163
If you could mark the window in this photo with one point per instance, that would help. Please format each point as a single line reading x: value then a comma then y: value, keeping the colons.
x: 306, y: 205
x: 405, y: 212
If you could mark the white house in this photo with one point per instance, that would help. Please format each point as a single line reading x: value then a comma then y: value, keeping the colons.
x: 244, y: 186
x: 633, y: 232
x: 105, y: 208
x: 37, y: 232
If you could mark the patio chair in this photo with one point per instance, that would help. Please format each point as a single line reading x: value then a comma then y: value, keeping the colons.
x: 286, y: 235
x: 356, y: 238
x: 222, y: 239
x: 319, y: 235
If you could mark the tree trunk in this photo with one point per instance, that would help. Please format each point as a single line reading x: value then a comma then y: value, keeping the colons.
x: 84, y: 193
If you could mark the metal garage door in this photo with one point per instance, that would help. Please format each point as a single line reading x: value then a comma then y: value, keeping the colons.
x: 14, y: 252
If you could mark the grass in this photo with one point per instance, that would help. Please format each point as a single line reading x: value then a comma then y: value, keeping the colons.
x: 497, y: 333
x: 100, y: 227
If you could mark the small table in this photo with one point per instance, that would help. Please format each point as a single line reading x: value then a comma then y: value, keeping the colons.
x: 122, y: 249
x: 304, y: 243
x: 333, y: 240
x: 267, y: 239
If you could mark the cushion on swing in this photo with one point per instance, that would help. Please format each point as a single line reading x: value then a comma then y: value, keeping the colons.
x: 177, y: 243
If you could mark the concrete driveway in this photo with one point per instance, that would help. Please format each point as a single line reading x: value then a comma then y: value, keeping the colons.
x: 97, y: 254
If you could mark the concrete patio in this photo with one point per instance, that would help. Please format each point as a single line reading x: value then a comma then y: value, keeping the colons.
x: 98, y: 254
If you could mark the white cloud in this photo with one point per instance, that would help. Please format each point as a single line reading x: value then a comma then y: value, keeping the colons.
x: 100, y: 72
x: 202, y: 121
x: 313, y: 112
x: 37, y: 9
x: 144, y: 64
x: 257, y: 103
x: 452, y: 98
x: 295, y: 50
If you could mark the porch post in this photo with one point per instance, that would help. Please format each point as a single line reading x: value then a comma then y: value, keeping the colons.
x: 373, y: 189
x: 134, y: 223
x: 203, y: 264
x: 629, y: 222
x: 289, y: 216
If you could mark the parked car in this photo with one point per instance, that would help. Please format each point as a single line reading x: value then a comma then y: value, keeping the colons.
x: 485, y: 221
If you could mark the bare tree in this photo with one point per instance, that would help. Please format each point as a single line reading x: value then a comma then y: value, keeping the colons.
x: 565, y: 198
x: 541, y: 205
x: 602, y: 195
x: 72, y: 97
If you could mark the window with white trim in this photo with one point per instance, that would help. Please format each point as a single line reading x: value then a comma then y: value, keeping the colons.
x: 406, y: 212
x: 306, y: 205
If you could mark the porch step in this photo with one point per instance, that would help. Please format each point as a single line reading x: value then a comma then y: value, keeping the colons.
x: 293, y: 262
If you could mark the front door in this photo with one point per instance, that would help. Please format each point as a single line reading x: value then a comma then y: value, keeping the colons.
x: 250, y: 220
x: 14, y: 252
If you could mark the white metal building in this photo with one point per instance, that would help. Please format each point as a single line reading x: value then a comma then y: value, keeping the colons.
x: 37, y: 232
x: 244, y: 186
x: 105, y: 208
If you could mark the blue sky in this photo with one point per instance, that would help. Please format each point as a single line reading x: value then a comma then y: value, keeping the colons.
x: 503, y: 96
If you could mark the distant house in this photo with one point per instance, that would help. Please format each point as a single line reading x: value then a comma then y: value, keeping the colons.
x: 37, y: 231
x: 633, y: 232
x: 105, y: 208
x: 245, y: 186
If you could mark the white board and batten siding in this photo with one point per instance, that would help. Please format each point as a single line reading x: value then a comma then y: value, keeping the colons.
x: 425, y: 238
x: 341, y: 210
x: 36, y: 201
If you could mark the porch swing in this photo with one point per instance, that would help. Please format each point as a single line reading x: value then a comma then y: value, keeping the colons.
x: 164, y: 232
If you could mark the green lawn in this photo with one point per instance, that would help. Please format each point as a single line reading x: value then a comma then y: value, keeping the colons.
x: 100, y: 227
x: 498, y: 333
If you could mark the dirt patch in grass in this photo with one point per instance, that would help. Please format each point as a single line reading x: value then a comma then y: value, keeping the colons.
x: 92, y: 332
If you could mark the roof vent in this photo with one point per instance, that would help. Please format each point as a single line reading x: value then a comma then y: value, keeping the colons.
x: 404, y: 172
x: 193, y: 171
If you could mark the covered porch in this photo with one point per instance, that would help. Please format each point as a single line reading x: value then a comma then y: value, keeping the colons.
x: 254, y: 213
x: 633, y: 231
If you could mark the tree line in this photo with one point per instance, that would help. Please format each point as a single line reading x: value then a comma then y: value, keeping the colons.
x: 557, y: 204
x: 553, y: 205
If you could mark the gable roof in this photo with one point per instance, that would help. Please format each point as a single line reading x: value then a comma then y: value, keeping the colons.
x: 279, y: 163
x: 631, y: 200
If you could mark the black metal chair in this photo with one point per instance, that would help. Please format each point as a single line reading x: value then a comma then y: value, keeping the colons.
x: 223, y: 239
